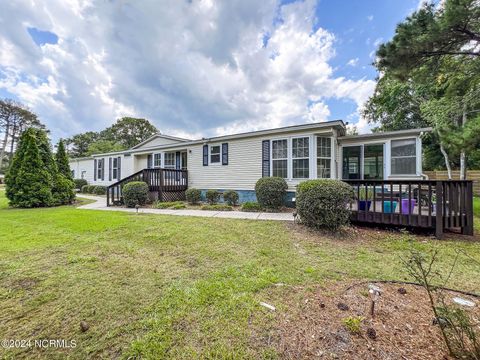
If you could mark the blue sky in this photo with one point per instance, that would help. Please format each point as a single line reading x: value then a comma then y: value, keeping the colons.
x: 200, y: 68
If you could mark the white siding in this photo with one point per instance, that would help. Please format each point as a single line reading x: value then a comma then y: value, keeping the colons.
x: 87, y: 165
x: 82, y: 165
x: 158, y: 141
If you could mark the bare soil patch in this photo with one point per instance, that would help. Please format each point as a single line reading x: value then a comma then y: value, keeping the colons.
x: 311, y: 324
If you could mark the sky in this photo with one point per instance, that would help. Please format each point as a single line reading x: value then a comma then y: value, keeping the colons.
x: 194, y: 68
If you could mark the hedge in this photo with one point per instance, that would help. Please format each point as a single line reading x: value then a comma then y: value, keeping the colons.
x: 251, y: 206
x: 193, y: 196
x: 135, y: 193
x: 80, y: 183
x: 231, y: 197
x: 100, y: 190
x: 324, y: 203
x: 271, y: 192
x: 212, y: 196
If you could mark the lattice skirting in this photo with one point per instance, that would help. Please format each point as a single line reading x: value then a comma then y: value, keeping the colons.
x: 173, y: 196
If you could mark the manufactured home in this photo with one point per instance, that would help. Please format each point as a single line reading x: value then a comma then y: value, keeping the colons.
x: 296, y: 153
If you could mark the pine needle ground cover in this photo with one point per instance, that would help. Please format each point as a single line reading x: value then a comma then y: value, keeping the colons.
x: 177, y: 287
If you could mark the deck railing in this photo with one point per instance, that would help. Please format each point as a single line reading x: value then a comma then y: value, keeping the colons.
x: 169, y: 184
x: 437, y: 205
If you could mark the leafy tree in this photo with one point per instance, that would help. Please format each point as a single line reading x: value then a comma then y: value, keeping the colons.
x: 103, y: 146
x: 14, y: 119
x: 129, y: 131
x: 434, y: 55
x: 78, y: 144
x: 28, y: 181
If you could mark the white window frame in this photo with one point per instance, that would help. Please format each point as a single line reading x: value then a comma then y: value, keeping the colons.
x: 331, y: 158
x: 155, y: 157
x: 302, y: 158
x: 288, y: 158
x: 100, y: 163
x: 416, y: 156
x: 210, y: 153
x: 165, y: 160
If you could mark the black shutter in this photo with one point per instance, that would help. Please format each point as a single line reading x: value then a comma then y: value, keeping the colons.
x: 103, y: 169
x: 109, y: 169
x: 150, y: 161
x: 225, y: 154
x: 119, y: 168
x: 95, y: 170
x: 265, y: 158
x: 205, y: 155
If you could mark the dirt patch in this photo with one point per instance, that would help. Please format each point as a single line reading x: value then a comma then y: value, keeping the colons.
x: 23, y: 284
x: 311, y: 324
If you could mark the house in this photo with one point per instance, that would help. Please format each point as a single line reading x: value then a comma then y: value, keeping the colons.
x: 296, y: 153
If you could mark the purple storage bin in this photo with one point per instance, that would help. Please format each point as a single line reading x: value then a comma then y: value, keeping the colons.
x: 408, y: 206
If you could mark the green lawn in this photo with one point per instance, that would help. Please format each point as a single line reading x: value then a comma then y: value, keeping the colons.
x: 177, y: 287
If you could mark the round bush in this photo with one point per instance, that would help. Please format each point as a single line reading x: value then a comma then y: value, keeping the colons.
x: 324, y: 203
x: 135, y: 193
x: 271, y: 192
x: 85, y: 189
x: 80, y: 183
x: 100, y: 190
x: 231, y: 197
x: 193, y: 196
x: 212, y: 196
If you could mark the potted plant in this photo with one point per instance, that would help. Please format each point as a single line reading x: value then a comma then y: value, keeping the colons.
x: 364, y: 199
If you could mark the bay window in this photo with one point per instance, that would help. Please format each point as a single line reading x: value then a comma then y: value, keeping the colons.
x: 300, y: 158
x: 404, y: 157
x: 280, y: 158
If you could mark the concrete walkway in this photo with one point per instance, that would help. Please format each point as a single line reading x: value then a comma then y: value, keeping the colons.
x: 100, y: 204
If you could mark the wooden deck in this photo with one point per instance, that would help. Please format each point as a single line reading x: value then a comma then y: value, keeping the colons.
x: 436, y: 205
x: 167, y: 184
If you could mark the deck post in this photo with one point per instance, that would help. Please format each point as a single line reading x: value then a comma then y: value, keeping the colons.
x: 108, y: 196
x: 439, y: 210
x: 160, y: 188
x: 468, y: 229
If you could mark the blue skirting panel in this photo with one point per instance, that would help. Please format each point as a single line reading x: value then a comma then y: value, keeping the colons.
x: 249, y: 195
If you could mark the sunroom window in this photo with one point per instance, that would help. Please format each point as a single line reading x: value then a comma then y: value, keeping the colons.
x: 300, y: 158
x: 404, y: 159
x: 280, y: 158
x: 324, y: 159
x: 169, y: 160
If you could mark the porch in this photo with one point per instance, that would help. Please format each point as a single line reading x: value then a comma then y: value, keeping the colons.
x: 163, y: 184
x: 429, y: 204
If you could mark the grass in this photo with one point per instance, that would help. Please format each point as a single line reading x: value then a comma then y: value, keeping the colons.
x: 176, y: 287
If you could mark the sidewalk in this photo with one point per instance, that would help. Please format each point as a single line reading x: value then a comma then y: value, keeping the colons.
x: 100, y: 204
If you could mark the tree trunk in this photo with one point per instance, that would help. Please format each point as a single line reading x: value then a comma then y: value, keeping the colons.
x: 4, y: 145
x: 12, y: 143
x: 447, y: 161
x: 463, y: 160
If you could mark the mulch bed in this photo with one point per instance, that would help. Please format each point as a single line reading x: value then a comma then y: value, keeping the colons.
x: 311, y: 324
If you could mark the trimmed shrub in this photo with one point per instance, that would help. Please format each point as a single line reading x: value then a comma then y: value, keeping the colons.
x: 100, y: 190
x: 251, y: 206
x: 324, y: 203
x: 217, y: 207
x: 135, y: 193
x: 271, y: 192
x: 80, y: 183
x: 90, y: 189
x: 231, y: 197
x: 169, y: 205
x: 212, y: 196
x: 193, y: 196
x: 85, y: 188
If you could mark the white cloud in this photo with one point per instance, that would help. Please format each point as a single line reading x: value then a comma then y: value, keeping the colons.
x: 353, y: 62
x: 193, y: 68
x: 370, y: 17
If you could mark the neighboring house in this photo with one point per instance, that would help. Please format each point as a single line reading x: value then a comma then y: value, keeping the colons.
x: 296, y: 153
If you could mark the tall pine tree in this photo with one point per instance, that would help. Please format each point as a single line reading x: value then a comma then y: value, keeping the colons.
x: 64, y: 187
x: 28, y: 182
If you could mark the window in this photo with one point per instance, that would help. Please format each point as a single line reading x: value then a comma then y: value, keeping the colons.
x: 84, y: 174
x: 280, y: 158
x: 351, y: 162
x: 115, y: 167
x: 73, y: 173
x: 300, y: 158
x: 404, y: 159
x: 324, y: 153
x: 99, y: 169
x: 157, y: 160
x: 373, y: 162
x: 170, y: 160
x: 215, y: 154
